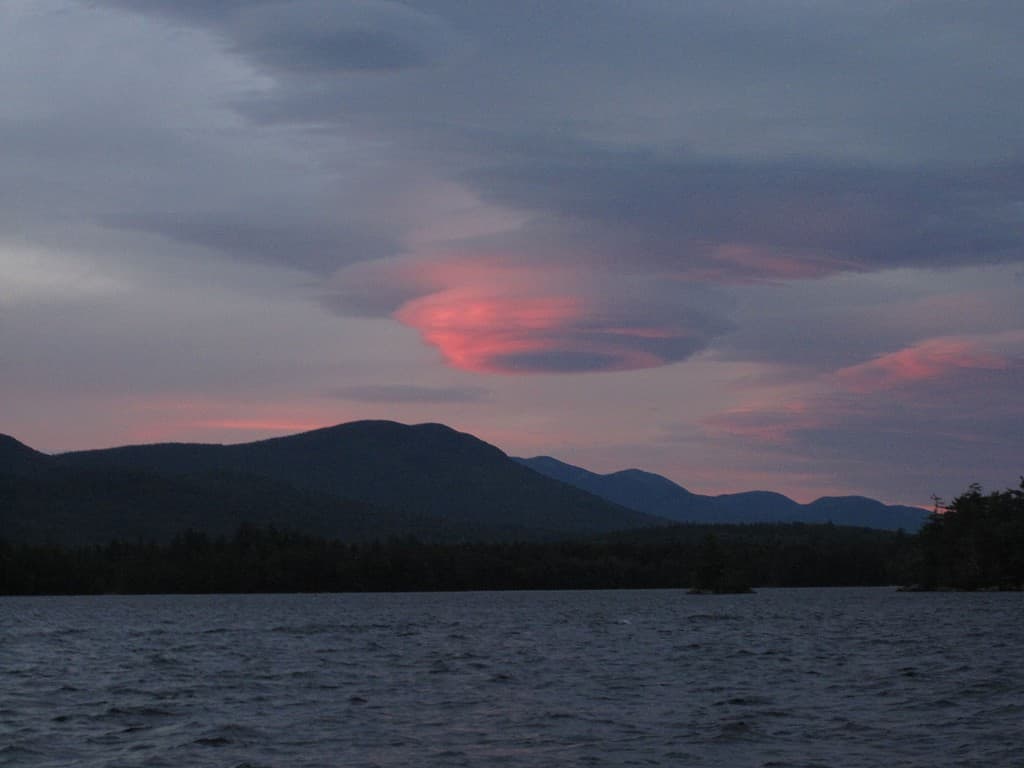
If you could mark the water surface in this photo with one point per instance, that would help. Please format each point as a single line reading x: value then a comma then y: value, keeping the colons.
x: 813, y: 677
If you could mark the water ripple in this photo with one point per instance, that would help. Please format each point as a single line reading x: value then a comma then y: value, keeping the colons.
x: 782, y: 678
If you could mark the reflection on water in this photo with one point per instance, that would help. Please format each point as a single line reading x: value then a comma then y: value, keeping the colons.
x: 824, y: 677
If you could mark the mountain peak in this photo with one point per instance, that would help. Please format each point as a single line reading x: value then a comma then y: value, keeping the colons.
x: 369, y: 434
x: 649, y: 479
x: 835, y: 500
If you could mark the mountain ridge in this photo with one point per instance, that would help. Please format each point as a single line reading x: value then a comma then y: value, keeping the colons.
x: 362, y: 479
x: 425, y: 480
x: 656, y: 494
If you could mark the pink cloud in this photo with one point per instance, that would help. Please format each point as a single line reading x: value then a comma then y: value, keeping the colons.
x: 840, y: 396
x: 931, y: 359
x: 475, y: 331
x: 500, y: 314
x: 929, y: 417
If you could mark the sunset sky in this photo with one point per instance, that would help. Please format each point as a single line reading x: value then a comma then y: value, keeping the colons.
x: 746, y: 244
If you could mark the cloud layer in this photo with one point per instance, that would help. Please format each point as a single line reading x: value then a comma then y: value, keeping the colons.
x: 797, y: 226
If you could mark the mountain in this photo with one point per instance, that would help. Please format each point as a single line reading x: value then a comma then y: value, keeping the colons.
x: 18, y: 458
x: 74, y: 506
x: 365, y: 479
x: 657, y: 495
x: 869, y: 513
x: 631, y: 488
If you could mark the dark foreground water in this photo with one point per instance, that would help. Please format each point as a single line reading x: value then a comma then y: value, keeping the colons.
x: 830, y: 677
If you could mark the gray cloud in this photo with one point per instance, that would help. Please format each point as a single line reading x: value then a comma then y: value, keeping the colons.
x: 803, y: 327
x: 774, y: 79
x: 328, y: 36
x: 319, y: 37
x: 306, y: 245
x: 735, y: 143
x: 196, y: 11
x: 798, y: 218
x: 371, y: 289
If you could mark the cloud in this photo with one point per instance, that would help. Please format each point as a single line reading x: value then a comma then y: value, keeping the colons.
x: 807, y: 205
x: 739, y: 220
x: 940, y: 414
x: 823, y: 157
x: 313, y: 245
x: 931, y: 359
x: 328, y: 36
x: 410, y: 393
x: 320, y: 37
x: 772, y: 79
x: 917, y: 377
x: 38, y: 277
x: 802, y: 329
x: 543, y: 334
x: 486, y: 333
x: 495, y: 314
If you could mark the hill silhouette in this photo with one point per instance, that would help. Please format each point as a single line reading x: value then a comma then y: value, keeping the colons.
x: 351, y: 481
x: 657, y: 495
x: 18, y: 458
x: 362, y: 481
x: 75, y: 506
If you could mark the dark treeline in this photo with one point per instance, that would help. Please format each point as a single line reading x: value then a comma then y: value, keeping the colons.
x: 976, y: 542
x: 266, y: 559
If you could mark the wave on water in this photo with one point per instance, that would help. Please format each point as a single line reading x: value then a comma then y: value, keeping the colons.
x: 847, y: 678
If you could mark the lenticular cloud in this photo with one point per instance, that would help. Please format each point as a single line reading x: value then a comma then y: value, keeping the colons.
x: 490, y: 315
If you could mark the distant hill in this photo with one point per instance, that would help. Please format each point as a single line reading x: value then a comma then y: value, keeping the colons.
x: 352, y: 481
x: 657, y: 495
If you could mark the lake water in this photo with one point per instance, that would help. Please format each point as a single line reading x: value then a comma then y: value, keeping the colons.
x: 814, y: 677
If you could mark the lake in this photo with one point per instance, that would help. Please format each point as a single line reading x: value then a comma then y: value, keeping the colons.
x: 783, y: 677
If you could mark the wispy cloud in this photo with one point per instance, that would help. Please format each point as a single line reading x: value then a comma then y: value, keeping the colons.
x: 928, y: 360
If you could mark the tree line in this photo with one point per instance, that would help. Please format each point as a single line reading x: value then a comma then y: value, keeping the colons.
x: 267, y: 559
x: 975, y: 542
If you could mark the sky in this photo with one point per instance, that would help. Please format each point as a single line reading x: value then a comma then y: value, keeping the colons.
x: 747, y: 244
